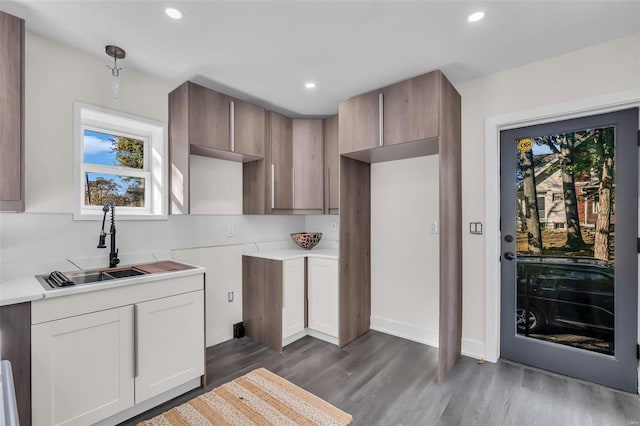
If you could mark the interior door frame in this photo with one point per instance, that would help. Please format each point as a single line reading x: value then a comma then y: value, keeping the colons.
x: 493, y: 126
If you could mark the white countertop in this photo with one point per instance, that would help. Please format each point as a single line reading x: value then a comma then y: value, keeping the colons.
x: 287, y: 250
x: 29, y: 289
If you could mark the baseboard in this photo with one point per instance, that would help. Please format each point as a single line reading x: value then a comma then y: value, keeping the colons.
x: 473, y: 348
x: 322, y: 336
x: 290, y: 339
x: 406, y: 331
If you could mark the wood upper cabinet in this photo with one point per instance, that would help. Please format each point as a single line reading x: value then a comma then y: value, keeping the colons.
x: 332, y: 165
x: 359, y: 123
x: 411, y: 109
x: 281, y: 141
x: 210, y: 124
x: 248, y: 128
x: 308, y: 155
x: 406, y: 115
x: 11, y: 113
x: 209, y: 118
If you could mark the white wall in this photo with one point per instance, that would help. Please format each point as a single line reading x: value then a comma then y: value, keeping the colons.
x: 587, y: 73
x: 55, y: 77
x: 224, y: 275
x: 404, y: 252
x: 215, y: 186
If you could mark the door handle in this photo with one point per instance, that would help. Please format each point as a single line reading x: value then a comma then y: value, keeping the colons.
x: 509, y: 255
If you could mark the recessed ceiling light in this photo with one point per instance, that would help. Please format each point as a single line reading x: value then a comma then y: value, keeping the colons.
x: 310, y: 85
x: 174, y: 13
x: 475, y: 17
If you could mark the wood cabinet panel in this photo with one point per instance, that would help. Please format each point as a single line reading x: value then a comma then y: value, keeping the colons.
x: 209, y: 118
x: 355, y: 249
x: 248, y: 128
x: 411, y: 109
x: 11, y: 113
x: 15, y: 346
x: 281, y: 140
x: 179, y: 150
x: 308, y: 158
x: 332, y: 165
x: 358, y: 126
x: 262, y: 300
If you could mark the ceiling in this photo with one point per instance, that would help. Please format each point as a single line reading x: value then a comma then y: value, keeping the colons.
x: 264, y: 51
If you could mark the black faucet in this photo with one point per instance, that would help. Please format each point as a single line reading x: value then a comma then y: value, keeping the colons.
x: 113, y: 254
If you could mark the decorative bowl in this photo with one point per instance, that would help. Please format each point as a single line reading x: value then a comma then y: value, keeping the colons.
x: 306, y: 240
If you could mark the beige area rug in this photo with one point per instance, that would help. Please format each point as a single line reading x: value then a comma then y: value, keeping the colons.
x: 257, y: 398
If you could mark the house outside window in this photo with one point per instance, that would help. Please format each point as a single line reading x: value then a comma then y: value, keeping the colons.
x: 541, y: 202
x: 595, y: 206
x: 122, y: 158
x: 556, y: 196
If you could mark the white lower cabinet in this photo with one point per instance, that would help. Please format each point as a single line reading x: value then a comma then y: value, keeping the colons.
x: 323, y: 295
x: 91, y: 366
x: 170, y: 333
x: 82, y: 367
x: 292, y: 295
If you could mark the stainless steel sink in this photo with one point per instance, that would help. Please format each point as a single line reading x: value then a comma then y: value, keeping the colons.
x: 91, y: 277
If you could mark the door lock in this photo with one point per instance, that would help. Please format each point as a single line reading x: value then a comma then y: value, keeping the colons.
x: 509, y: 255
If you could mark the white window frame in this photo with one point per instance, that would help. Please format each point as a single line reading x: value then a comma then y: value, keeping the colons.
x: 595, y: 207
x: 154, y: 136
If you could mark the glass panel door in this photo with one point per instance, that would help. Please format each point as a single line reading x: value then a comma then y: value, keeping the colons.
x: 567, y: 292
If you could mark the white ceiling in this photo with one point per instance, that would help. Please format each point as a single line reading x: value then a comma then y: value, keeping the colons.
x: 265, y: 50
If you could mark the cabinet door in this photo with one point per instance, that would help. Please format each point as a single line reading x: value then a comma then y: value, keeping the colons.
x: 281, y: 138
x: 308, y: 163
x: 169, y: 343
x: 11, y: 113
x: 332, y: 165
x: 411, y: 109
x: 248, y: 128
x: 323, y: 295
x: 82, y: 367
x: 292, y: 297
x: 359, y: 120
x: 209, y: 118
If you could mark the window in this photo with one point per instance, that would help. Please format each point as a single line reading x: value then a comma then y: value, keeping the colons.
x: 122, y: 158
x: 595, y: 207
x: 557, y: 197
x: 558, y: 225
x: 541, y: 207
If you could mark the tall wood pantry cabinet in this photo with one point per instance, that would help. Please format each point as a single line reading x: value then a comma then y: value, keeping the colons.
x: 11, y: 113
x: 416, y: 117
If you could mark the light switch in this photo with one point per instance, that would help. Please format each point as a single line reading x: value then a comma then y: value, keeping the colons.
x: 230, y: 230
x: 333, y: 226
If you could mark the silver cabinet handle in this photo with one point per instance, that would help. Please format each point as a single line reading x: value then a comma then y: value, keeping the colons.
x: 328, y: 189
x: 293, y: 189
x: 232, y: 126
x: 381, y: 118
x: 135, y: 341
x: 273, y: 189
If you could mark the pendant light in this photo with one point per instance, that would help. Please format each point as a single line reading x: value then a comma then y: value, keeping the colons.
x: 115, y: 82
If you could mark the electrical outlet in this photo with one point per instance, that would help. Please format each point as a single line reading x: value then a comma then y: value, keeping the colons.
x: 435, y: 227
x: 230, y: 230
x: 333, y: 226
x: 230, y: 297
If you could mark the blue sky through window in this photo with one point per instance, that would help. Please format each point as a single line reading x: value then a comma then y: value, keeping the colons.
x: 98, y: 148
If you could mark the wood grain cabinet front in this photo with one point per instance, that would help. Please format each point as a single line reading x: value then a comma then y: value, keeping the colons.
x: 273, y: 300
x: 11, y: 113
x: 308, y: 165
x: 210, y: 124
x: 395, y: 122
x: 332, y: 165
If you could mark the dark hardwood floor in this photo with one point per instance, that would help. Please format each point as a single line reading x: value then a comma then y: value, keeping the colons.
x: 385, y: 380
